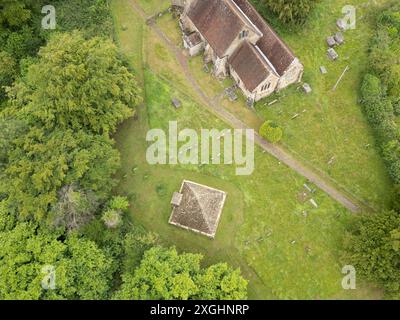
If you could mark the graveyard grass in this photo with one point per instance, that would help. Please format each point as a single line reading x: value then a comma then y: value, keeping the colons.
x: 284, y: 246
x: 329, y: 131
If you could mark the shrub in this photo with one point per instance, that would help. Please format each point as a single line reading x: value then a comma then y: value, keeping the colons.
x: 272, y: 132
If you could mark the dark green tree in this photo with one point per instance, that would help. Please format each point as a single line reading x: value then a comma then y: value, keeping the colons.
x: 290, y: 11
x: 77, y: 84
x: 40, y: 163
x: 372, y: 246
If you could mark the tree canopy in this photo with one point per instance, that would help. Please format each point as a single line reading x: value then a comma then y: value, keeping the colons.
x: 81, y: 269
x: 39, y: 163
x: 77, y: 84
x: 165, y: 274
x: 373, y: 247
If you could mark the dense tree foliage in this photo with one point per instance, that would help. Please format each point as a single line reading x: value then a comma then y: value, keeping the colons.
x: 8, y: 71
x: 380, y: 89
x: 373, y: 246
x: 288, y: 11
x: 39, y: 163
x: 373, y: 241
x: 81, y: 269
x: 15, y: 12
x: 19, y: 37
x: 91, y: 16
x: 65, y: 109
x: 92, y: 90
x: 165, y: 274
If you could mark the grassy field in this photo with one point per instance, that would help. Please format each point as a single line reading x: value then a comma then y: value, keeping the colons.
x: 331, y: 134
x: 129, y: 33
x: 331, y: 124
x: 154, y: 6
x: 284, y: 246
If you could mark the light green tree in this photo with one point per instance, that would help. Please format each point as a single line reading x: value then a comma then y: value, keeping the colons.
x: 112, y: 217
x: 271, y: 132
x: 81, y: 269
x: 165, y: 274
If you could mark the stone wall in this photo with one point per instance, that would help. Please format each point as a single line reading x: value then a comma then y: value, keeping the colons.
x: 292, y: 75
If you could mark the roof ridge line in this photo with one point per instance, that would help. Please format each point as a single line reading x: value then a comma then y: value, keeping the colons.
x: 266, y: 60
x: 200, y: 206
x: 247, y: 17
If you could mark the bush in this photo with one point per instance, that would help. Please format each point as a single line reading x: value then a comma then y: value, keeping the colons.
x: 391, y: 154
x: 271, y: 132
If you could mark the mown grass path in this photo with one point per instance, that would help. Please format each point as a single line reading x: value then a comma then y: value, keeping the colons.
x: 278, y: 152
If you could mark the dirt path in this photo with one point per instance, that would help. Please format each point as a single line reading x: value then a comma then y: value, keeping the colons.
x: 230, y: 119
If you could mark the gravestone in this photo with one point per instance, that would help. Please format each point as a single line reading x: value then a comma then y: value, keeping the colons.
x: 339, y: 39
x: 176, y: 103
x: 323, y: 70
x: 250, y: 102
x: 331, y: 41
x: 332, y: 54
x: 307, y: 88
x: 341, y: 24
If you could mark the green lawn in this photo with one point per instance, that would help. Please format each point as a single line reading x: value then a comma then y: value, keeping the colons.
x: 285, y: 247
x: 154, y: 6
x: 333, y: 124
x: 129, y: 32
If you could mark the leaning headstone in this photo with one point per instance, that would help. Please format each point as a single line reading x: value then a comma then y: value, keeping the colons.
x: 307, y: 187
x: 176, y: 103
x: 307, y: 88
x: 273, y: 102
x: 332, y: 54
x: 231, y: 94
x: 331, y: 41
x: 323, y: 70
x: 339, y: 39
x: 341, y: 24
x: 315, y: 205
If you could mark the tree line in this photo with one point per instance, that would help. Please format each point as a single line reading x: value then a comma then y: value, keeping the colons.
x: 373, y: 240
